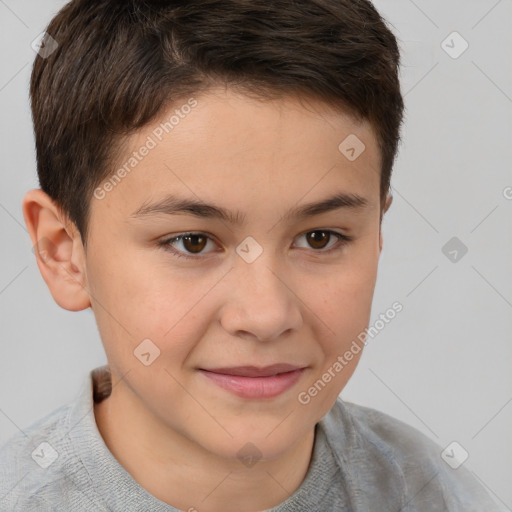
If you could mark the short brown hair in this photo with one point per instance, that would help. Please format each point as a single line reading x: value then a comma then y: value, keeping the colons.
x: 120, y: 62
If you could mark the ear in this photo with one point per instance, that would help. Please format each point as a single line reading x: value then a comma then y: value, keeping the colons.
x: 59, y: 251
x: 389, y: 200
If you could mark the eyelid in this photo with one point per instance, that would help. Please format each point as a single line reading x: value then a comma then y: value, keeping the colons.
x: 343, y: 240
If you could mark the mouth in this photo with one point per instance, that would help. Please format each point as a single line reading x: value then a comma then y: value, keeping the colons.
x: 254, y: 371
x: 255, y: 382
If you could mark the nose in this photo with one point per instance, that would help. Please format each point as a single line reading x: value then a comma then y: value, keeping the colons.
x: 262, y: 303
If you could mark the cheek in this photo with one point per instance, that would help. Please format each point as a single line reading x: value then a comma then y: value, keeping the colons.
x: 344, y: 300
x: 343, y: 305
x: 344, y: 313
x: 134, y: 300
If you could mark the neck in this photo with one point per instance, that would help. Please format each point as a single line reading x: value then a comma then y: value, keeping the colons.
x: 181, y: 473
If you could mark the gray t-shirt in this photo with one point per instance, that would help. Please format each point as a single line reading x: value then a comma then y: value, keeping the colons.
x: 363, y: 461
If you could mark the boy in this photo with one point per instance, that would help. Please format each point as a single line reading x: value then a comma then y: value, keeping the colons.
x: 265, y: 133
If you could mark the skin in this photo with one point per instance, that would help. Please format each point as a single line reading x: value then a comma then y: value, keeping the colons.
x: 173, y: 430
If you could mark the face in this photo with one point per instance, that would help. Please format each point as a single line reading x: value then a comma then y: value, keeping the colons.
x: 180, y: 292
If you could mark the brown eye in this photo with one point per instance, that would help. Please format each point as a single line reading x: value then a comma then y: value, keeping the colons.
x: 324, y: 240
x: 194, y: 243
x: 318, y: 239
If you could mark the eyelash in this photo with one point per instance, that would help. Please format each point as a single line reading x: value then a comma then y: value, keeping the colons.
x: 343, y: 240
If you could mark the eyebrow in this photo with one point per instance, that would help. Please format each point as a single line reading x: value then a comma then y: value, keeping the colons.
x: 173, y: 205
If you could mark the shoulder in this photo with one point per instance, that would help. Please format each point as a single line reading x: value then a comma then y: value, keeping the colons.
x: 428, y: 482
x: 400, y: 438
x: 34, y: 463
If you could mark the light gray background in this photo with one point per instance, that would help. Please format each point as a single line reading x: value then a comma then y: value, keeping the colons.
x: 443, y: 365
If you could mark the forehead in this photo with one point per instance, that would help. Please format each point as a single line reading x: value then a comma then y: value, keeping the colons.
x: 227, y: 148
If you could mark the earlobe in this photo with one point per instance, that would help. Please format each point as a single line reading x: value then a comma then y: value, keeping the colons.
x: 389, y: 200
x: 58, y: 249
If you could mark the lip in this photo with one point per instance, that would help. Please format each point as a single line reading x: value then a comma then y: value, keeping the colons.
x: 253, y: 382
x: 254, y: 371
